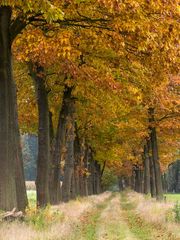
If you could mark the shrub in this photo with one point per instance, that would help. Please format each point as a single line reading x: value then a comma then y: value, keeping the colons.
x: 43, y: 218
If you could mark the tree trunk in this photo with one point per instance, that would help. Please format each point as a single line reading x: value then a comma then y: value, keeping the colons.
x: 152, y: 172
x: 146, y: 170
x: 43, y: 162
x: 91, y: 173
x: 138, y: 182
x: 84, y: 166
x: 141, y: 181
x: 73, y: 190
x: 77, y: 163
x: 8, y: 198
x: 57, y: 152
x: 120, y: 183
x: 51, y: 128
x: 97, y: 181
x: 155, y: 156
x: 69, y: 145
x: 77, y: 182
x: 133, y: 176
x: 164, y: 182
x: 22, y: 200
x: 152, y: 179
x: 12, y: 183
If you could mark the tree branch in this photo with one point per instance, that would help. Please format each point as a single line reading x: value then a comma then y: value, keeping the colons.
x: 167, y: 116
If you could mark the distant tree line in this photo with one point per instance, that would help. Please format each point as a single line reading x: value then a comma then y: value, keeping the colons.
x: 171, y: 178
x: 30, y: 152
x: 137, y: 182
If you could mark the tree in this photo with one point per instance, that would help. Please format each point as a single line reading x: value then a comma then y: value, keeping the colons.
x: 10, y: 27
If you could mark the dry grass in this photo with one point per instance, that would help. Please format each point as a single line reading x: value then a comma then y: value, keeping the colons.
x: 72, y: 212
x: 158, y: 213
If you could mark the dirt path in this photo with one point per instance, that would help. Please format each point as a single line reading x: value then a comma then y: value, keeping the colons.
x: 112, y: 225
x: 105, y: 222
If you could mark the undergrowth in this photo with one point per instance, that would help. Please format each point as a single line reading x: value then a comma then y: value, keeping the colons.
x: 42, y: 218
x: 176, y: 210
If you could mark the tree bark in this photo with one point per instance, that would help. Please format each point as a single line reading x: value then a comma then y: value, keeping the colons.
x: 8, y: 197
x: 146, y: 170
x: 155, y: 156
x: 152, y: 179
x: 152, y: 173
x: 85, y: 176
x: 57, y: 152
x: 83, y: 166
x: 22, y: 200
x: 12, y: 183
x: 43, y: 162
x: 164, y: 182
x: 97, y: 181
x: 77, y: 163
x: 93, y: 178
x: 73, y: 189
x: 138, y: 178
x: 69, y: 144
x: 133, y: 176
x: 51, y: 130
x: 141, y: 181
x: 91, y: 173
x: 120, y: 183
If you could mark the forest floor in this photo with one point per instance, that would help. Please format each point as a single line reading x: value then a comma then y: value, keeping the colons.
x: 108, y: 216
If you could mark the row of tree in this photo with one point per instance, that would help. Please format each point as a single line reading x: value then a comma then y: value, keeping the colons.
x: 97, y: 81
x: 170, y: 178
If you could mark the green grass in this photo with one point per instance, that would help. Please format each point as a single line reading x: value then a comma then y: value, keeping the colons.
x: 172, y: 197
x: 31, y: 197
